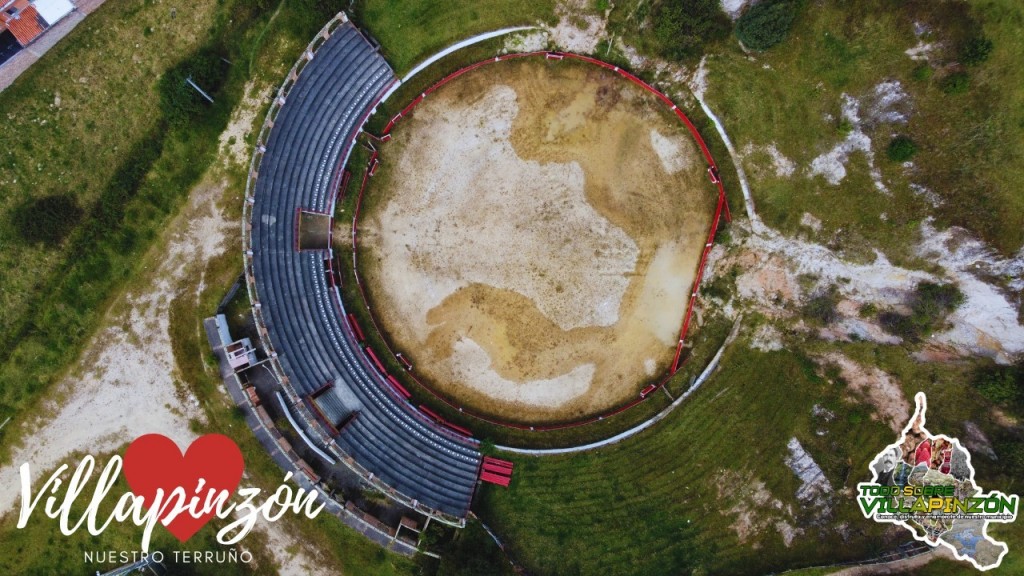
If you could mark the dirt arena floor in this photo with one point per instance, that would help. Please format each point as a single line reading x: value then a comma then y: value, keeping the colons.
x: 531, y: 238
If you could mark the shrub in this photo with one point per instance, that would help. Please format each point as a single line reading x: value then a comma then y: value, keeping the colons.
x: 721, y: 286
x: 898, y: 325
x: 923, y: 73
x: 975, y: 50
x: 766, y: 23
x: 929, y: 306
x: 933, y: 301
x: 684, y: 27
x: 956, y: 83
x: 47, y: 220
x: 723, y: 235
x: 821, y: 308
x: 901, y: 149
x: 1003, y: 385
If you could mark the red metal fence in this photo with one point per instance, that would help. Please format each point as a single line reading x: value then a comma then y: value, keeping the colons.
x: 721, y: 210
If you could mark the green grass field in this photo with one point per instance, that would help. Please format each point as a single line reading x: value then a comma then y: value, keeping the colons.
x: 410, y: 31
x: 660, y: 502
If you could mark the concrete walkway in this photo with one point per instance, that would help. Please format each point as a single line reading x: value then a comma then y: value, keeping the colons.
x: 451, y: 49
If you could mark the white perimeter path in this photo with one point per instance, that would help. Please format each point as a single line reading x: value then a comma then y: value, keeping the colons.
x: 454, y: 48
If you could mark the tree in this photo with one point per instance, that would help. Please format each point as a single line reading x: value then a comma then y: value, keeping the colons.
x: 766, y: 23
x: 684, y: 27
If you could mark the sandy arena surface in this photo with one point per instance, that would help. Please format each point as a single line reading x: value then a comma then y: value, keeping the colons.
x: 532, y: 237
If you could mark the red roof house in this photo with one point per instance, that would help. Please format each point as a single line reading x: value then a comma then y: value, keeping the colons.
x: 28, y: 19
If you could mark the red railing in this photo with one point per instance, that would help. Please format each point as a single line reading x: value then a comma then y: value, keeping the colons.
x: 721, y: 210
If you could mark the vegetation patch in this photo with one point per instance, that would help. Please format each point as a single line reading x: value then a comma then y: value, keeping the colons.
x: 683, y: 29
x: 960, y: 160
x: 766, y: 23
x: 956, y: 83
x: 821, y: 308
x: 929, y: 305
x: 1001, y: 385
x: 975, y: 50
x: 901, y: 149
x: 412, y: 30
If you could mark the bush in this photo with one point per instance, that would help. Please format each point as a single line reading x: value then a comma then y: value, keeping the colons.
x: 1003, y: 385
x: 821, y: 308
x: 901, y: 149
x: 723, y: 234
x: 933, y: 301
x: 766, y: 23
x: 956, y: 83
x: 975, y: 50
x: 898, y: 325
x: 929, y: 306
x: 922, y: 73
x: 47, y: 220
x: 684, y: 27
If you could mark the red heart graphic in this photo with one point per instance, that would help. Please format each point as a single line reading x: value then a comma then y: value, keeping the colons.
x: 154, y: 462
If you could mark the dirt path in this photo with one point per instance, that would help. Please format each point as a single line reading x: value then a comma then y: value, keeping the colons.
x: 126, y: 383
x: 533, y: 235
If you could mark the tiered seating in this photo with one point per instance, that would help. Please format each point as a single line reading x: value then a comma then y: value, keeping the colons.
x: 313, y: 135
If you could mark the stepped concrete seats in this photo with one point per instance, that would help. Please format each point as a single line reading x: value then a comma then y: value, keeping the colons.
x: 312, y: 137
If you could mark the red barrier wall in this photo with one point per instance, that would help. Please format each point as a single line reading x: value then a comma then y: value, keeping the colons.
x: 721, y: 210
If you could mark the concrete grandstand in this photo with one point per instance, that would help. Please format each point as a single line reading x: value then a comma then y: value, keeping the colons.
x: 345, y: 404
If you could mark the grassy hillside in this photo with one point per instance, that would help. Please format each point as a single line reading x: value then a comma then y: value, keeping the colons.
x: 969, y: 152
x: 672, y: 499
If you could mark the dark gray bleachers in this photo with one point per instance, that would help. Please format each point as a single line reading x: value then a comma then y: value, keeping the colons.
x: 311, y: 138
